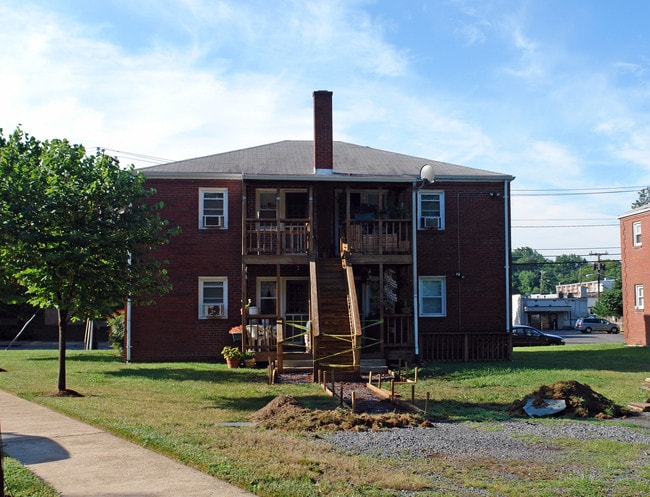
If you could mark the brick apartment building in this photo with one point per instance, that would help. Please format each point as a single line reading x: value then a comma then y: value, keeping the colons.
x: 343, y: 252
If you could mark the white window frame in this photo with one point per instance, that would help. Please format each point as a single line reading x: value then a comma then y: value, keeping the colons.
x: 422, y: 296
x: 638, y: 296
x: 636, y: 234
x: 423, y: 219
x: 224, y: 301
x: 260, y: 297
x: 202, y: 210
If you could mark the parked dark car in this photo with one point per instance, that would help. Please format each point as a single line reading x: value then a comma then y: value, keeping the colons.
x: 587, y: 325
x: 527, y: 335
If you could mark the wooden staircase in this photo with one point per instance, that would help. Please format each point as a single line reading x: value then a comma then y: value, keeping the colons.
x: 335, y: 343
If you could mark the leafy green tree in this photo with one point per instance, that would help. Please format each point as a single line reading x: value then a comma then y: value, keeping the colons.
x: 527, y: 264
x: 610, y: 302
x: 567, y: 268
x: 644, y: 198
x: 76, y: 231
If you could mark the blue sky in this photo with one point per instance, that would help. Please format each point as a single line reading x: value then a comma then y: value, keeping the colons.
x: 555, y: 93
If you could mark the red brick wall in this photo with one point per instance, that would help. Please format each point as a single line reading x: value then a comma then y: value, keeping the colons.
x: 472, y: 243
x: 635, y: 270
x: 171, y: 329
x: 323, y: 134
x: 474, y: 234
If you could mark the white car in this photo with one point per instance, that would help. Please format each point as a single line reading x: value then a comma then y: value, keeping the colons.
x: 587, y: 325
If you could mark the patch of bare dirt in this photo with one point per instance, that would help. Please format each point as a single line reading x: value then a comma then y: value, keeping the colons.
x: 286, y: 413
x: 581, y: 401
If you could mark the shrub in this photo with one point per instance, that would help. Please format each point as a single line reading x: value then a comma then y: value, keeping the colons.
x: 116, y: 330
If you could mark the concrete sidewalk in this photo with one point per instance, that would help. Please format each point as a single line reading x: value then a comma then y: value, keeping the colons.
x: 79, y: 460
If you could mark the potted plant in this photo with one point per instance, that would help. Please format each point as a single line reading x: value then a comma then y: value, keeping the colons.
x: 249, y: 358
x: 233, y: 356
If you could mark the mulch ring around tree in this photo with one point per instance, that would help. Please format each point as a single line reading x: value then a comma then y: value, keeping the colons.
x: 581, y: 402
x: 286, y: 413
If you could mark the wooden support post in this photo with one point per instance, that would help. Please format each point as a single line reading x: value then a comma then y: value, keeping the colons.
x: 426, y: 404
x: 324, y: 384
x: 341, y: 399
x: 379, y: 383
x: 333, y: 382
x: 392, y: 389
x: 413, y: 394
x: 354, y: 401
x: 416, y: 374
x: 370, y: 377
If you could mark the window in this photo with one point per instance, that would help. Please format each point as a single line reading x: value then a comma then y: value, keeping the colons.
x: 432, y: 296
x: 431, y: 210
x: 213, y: 211
x: 636, y: 233
x: 267, y: 295
x: 267, y: 204
x: 638, y: 296
x: 213, y: 296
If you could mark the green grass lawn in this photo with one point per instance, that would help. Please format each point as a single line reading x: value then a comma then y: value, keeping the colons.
x: 174, y: 408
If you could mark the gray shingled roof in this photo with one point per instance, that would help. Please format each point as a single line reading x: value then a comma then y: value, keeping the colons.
x: 296, y: 158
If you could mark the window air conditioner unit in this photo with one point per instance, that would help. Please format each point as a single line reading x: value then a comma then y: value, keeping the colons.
x: 213, y: 310
x: 213, y: 221
x: 431, y: 222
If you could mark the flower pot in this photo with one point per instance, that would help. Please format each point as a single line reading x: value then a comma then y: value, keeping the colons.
x: 233, y: 363
x: 249, y: 363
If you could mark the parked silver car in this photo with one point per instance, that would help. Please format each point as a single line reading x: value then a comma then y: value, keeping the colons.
x: 587, y: 325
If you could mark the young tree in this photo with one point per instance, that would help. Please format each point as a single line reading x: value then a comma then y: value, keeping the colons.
x: 76, y: 231
x: 610, y: 302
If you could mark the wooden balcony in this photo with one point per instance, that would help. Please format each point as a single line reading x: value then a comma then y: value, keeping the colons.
x: 379, y: 237
x: 277, y: 237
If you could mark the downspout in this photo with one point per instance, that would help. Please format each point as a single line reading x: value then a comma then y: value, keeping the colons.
x: 416, y: 310
x: 506, y: 237
x: 128, y: 330
x: 128, y: 322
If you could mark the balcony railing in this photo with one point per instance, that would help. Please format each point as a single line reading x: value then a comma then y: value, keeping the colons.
x: 277, y: 237
x: 378, y: 237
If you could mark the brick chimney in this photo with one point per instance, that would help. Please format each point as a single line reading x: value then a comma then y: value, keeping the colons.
x: 323, y: 138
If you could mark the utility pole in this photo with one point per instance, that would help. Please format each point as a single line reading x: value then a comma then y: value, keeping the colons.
x: 598, y: 267
x: 541, y: 281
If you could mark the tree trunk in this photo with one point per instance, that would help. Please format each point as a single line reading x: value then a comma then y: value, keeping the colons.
x: 63, y: 328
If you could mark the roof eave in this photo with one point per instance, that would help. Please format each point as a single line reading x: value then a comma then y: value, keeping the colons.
x: 336, y: 177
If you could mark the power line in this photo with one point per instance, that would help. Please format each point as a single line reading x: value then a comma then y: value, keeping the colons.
x: 575, y: 191
x: 565, y: 226
x: 135, y: 156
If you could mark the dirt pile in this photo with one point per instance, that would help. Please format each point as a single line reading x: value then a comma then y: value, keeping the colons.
x: 581, y: 401
x: 286, y: 413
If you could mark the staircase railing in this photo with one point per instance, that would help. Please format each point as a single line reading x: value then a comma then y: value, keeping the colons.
x: 353, y: 307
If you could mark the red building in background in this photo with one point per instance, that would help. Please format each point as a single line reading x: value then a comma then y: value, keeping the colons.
x: 635, y: 271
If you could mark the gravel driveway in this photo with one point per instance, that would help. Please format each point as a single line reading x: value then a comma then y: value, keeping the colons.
x: 498, y: 440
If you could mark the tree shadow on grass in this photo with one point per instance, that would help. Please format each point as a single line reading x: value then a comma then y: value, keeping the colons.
x: 217, y: 375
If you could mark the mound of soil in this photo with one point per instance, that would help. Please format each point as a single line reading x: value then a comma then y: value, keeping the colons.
x: 581, y: 401
x: 286, y: 413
